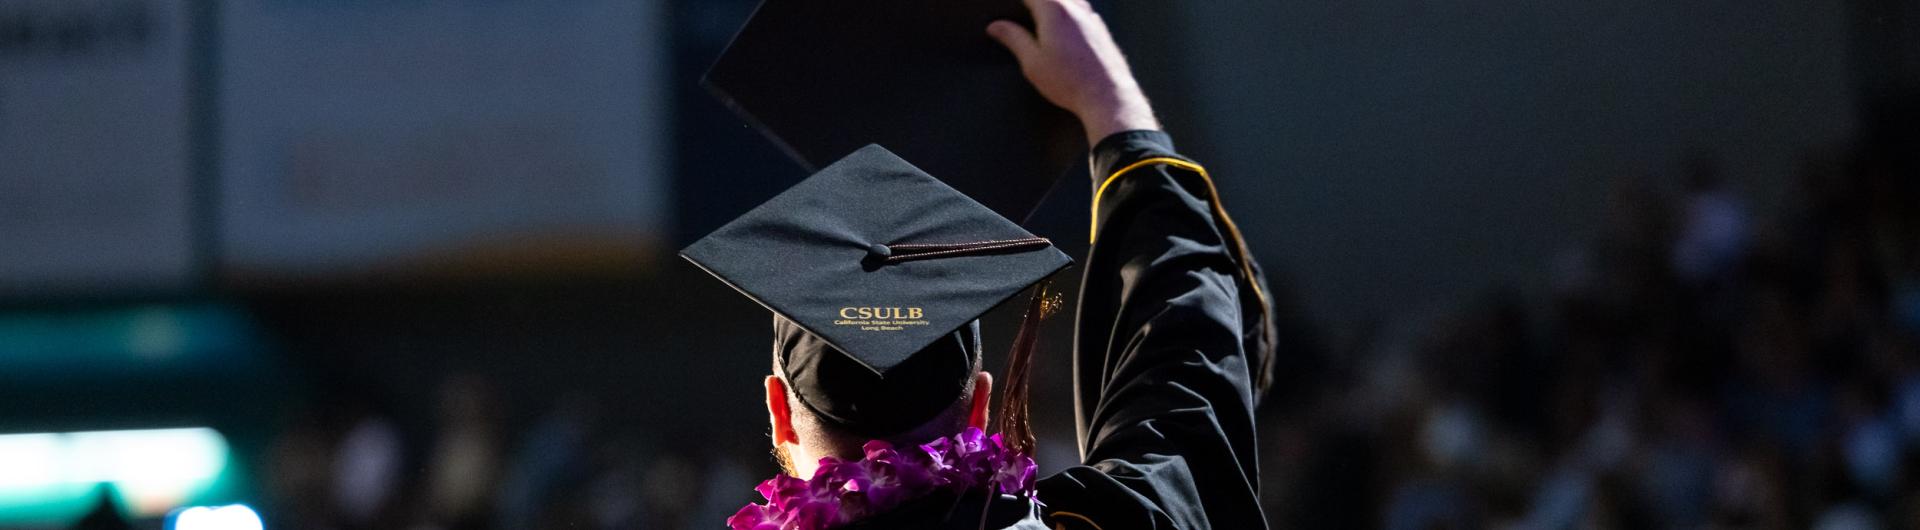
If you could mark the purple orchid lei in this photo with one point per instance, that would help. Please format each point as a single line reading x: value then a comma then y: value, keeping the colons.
x: 843, y: 492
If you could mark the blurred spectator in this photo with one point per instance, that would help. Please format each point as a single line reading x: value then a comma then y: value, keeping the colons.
x: 465, y: 459
x: 551, y: 461
x: 366, y: 471
x: 1713, y: 227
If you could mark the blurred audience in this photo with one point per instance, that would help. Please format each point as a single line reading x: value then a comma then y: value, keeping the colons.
x: 1700, y: 364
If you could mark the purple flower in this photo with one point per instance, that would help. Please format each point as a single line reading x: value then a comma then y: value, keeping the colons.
x: 1015, y: 474
x: 755, y: 517
x: 842, y: 492
x: 900, y: 476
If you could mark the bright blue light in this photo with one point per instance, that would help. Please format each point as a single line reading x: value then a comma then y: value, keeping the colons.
x: 229, y: 517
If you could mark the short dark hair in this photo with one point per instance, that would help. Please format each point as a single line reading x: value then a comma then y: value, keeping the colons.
x: 842, y: 443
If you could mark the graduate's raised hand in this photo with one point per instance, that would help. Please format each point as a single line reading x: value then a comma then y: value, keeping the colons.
x: 1072, y: 61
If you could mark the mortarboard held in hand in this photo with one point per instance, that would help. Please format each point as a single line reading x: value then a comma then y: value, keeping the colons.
x: 876, y: 273
x: 822, y: 78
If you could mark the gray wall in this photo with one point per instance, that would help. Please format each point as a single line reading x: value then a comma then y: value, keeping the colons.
x: 1395, y: 153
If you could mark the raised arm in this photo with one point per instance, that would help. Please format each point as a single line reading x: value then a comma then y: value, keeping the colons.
x: 1170, y: 308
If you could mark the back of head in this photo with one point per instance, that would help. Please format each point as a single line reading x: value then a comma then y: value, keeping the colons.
x: 851, y: 403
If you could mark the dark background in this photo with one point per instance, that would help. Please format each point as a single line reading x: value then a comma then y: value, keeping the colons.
x: 1555, y: 264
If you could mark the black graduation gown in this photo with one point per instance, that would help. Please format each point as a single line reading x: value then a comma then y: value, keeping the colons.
x: 1169, y: 309
x: 972, y: 512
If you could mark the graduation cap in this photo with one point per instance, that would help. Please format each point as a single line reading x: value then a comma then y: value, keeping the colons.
x: 822, y: 78
x: 876, y: 273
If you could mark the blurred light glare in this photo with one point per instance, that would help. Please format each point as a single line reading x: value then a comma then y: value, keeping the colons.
x: 28, y: 460
x: 154, y: 470
x: 230, y: 517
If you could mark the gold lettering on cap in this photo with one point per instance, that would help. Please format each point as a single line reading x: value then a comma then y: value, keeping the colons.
x: 881, y: 318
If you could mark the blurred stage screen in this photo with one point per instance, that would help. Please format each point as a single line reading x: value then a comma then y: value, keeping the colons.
x: 339, y: 137
x: 356, y: 133
x: 95, y: 178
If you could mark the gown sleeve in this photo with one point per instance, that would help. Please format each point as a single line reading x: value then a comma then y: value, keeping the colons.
x: 1171, y: 318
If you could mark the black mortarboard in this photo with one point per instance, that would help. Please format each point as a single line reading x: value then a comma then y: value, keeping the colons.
x: 876, y: 273
x: 822, y: 78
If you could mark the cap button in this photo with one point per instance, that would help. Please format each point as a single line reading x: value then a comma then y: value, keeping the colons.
x: 879, y: 250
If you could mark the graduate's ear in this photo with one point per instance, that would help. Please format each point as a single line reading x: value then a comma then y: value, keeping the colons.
x: 982, y: 397
x: 778, y: 414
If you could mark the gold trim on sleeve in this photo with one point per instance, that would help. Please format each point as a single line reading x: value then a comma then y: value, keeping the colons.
x: 1093, y: 228
x: 1246, y: 259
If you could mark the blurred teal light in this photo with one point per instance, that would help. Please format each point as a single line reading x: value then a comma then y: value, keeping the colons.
x: 54, y: 476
